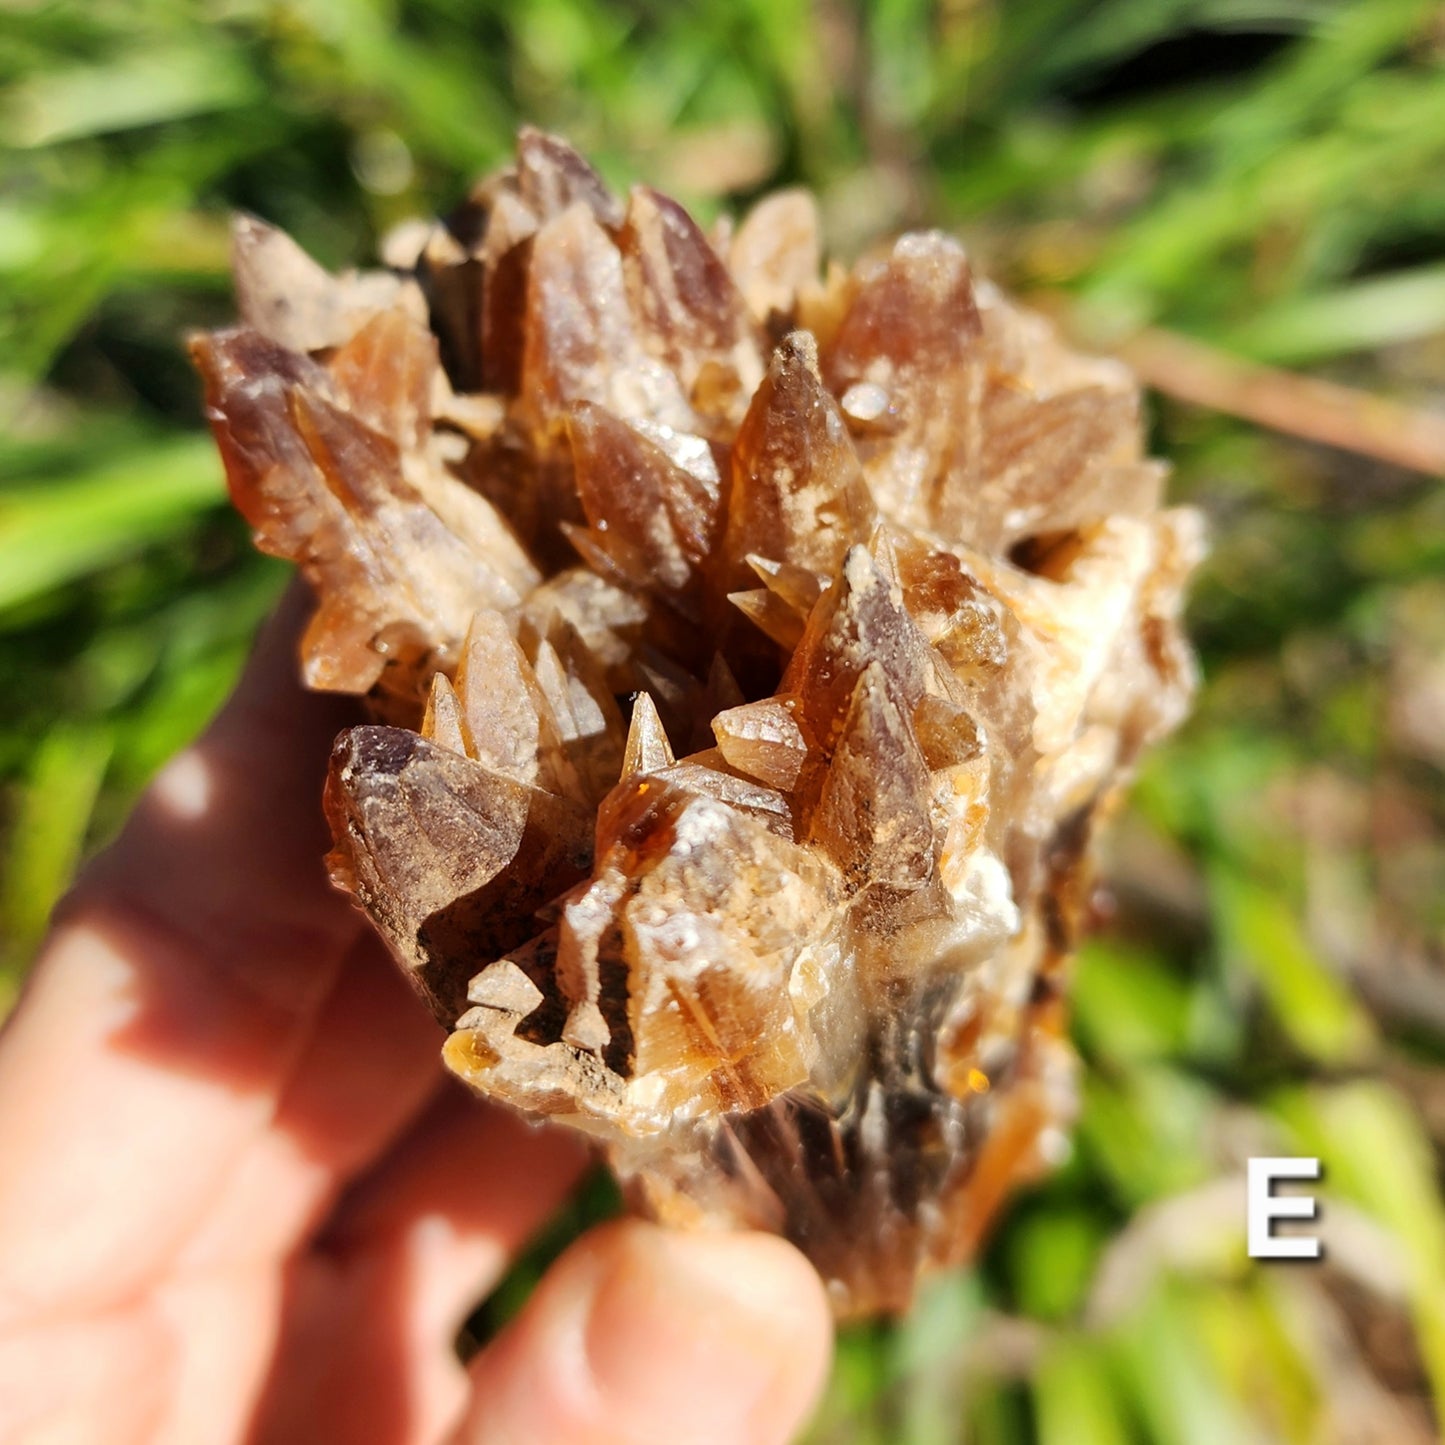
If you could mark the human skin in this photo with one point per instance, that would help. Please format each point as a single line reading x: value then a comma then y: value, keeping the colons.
x: 240, y: 1201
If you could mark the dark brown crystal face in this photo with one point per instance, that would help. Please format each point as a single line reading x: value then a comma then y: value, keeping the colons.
x: 753, y: 650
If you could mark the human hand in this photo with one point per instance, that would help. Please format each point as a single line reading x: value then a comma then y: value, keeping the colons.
x: 240, y: 1201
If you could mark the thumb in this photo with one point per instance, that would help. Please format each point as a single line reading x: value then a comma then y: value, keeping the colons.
x: 645, y: 1336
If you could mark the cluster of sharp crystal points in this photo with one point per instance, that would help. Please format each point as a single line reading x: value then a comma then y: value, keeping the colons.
x: 753, y: 650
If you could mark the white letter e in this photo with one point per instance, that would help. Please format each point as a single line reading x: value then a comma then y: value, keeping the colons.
x: 1265, y: 1207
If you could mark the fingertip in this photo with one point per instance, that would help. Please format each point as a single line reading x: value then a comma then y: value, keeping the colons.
x: 642, y: 1334
x: 728, y: 1328
x: 226, y: 847
x: 270, y: 695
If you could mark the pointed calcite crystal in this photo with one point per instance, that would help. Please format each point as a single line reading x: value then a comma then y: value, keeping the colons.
x: 752, y: 654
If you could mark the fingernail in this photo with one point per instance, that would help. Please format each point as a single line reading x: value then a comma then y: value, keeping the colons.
x: 706, y: 1337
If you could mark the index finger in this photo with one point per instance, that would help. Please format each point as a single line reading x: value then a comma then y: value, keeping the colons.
x: 177, y: 990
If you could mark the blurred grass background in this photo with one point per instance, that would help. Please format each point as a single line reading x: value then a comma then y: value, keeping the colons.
x: 1267, y: 176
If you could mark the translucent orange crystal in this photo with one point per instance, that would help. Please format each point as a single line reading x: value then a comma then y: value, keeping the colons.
x: 753, y: 656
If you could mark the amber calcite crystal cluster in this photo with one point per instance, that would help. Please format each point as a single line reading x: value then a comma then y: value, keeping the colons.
x: 751, y: 651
